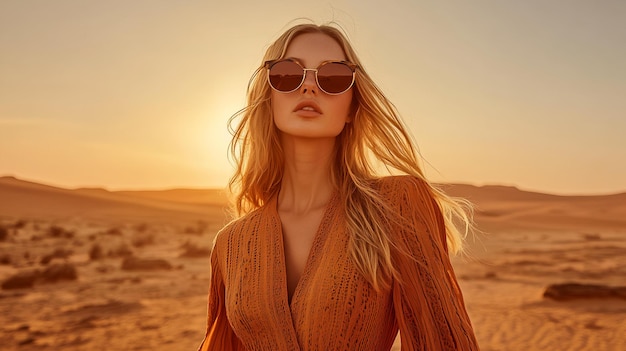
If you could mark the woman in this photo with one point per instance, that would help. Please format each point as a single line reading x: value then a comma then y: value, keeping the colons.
x: 327, y: 254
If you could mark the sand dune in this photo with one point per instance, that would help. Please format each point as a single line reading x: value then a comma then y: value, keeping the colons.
x: 529, y: 241
x: 27, y: 199
x: 495, y: 205
x: 499, y: 207
x: 190, y: 196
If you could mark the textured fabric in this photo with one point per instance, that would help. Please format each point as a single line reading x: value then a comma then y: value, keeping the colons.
x: 333, y: 306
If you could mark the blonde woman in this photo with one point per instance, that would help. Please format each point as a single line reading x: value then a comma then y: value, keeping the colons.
x: 326, y: 253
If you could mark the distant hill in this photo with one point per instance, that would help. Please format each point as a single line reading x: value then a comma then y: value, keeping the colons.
x: 511, y: 193
x: 496, y: 206
x: 191, y: 196
x: 507, y: 206
x: 21, y: 198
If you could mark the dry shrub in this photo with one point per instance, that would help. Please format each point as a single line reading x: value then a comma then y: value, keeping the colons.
x: 60, y: 271
x: 96, y: 252
x: 56, y: 231
x: 21, y: 280
x: 198, y: 229
x: 114, y: 231
x: 141, y: 228
x: 4, y: 233
x: 57, y: 253
x: 53, y: 273
x: 21, y: 223
x: 193, y: 250
x: 5, y: 259
x: 142, y: 239
x: 121, y: 250
x: 592, y: 236
x: 145, y: 264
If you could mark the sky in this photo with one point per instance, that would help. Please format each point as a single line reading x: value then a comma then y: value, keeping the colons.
x: 136, y: 94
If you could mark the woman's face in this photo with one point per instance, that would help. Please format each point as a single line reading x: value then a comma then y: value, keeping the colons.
x: 309, y: 112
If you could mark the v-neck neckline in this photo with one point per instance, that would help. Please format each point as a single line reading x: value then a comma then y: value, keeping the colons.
x: 309, y: 266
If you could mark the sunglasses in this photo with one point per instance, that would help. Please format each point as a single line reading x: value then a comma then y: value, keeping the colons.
x: 332, y: 77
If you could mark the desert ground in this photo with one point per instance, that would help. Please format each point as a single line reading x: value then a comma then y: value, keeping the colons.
x: 91, y: 269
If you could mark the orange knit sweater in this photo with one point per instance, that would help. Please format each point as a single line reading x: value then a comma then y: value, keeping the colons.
x: 333, y: 306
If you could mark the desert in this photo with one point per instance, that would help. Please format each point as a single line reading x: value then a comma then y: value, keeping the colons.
x: 93, y: 269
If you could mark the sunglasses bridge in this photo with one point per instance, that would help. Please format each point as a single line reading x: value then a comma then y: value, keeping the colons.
x: 353, y: 67
x: 317, y: 82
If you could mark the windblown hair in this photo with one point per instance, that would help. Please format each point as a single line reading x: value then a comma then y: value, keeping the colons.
x: 376, y: 134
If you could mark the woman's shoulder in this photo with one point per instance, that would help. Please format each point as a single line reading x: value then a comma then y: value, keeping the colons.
x: 413, y: 199
x: 238, y: 227
x: 392, y: 188
x: 410, y: 196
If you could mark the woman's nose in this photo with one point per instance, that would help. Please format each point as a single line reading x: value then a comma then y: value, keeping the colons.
x: 309, y: 83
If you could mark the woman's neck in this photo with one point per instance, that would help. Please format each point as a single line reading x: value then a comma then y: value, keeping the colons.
x: 306, y: 183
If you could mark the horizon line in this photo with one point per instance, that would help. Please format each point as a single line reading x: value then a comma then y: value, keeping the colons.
x: 182, y: 187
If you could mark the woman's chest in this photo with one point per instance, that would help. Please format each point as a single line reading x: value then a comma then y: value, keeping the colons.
x: 331, y: 294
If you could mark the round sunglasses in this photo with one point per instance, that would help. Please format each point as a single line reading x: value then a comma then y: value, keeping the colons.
x: 332, y: 77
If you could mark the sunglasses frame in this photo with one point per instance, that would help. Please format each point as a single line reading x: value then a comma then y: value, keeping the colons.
x: 269, y: 64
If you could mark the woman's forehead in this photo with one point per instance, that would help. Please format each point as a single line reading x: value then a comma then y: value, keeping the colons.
x: 311, y: 49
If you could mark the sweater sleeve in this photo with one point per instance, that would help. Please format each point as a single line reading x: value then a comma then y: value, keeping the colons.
x: 219, y: 334
x: 427, y: 300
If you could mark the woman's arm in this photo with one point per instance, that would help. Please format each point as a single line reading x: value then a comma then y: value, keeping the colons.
x: 219, y: 335
x: 427, y: 300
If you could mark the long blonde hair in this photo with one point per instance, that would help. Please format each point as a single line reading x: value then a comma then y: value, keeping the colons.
x: 376, y: 133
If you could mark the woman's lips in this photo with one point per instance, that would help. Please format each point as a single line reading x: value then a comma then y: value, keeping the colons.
x: 308, y: 108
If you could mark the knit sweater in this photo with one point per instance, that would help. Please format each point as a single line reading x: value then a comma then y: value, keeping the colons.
x: 333, y: 306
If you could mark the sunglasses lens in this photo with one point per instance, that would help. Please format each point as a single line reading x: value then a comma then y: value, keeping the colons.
x: 285, y: 76
x: 335, y: 77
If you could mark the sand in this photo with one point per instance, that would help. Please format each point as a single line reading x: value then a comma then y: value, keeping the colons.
x: 528, y: 241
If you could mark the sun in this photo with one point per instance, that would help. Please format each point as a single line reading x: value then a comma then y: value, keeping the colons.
x: 207, y: 137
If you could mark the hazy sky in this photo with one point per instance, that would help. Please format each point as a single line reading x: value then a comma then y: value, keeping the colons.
x: 136, y: 93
